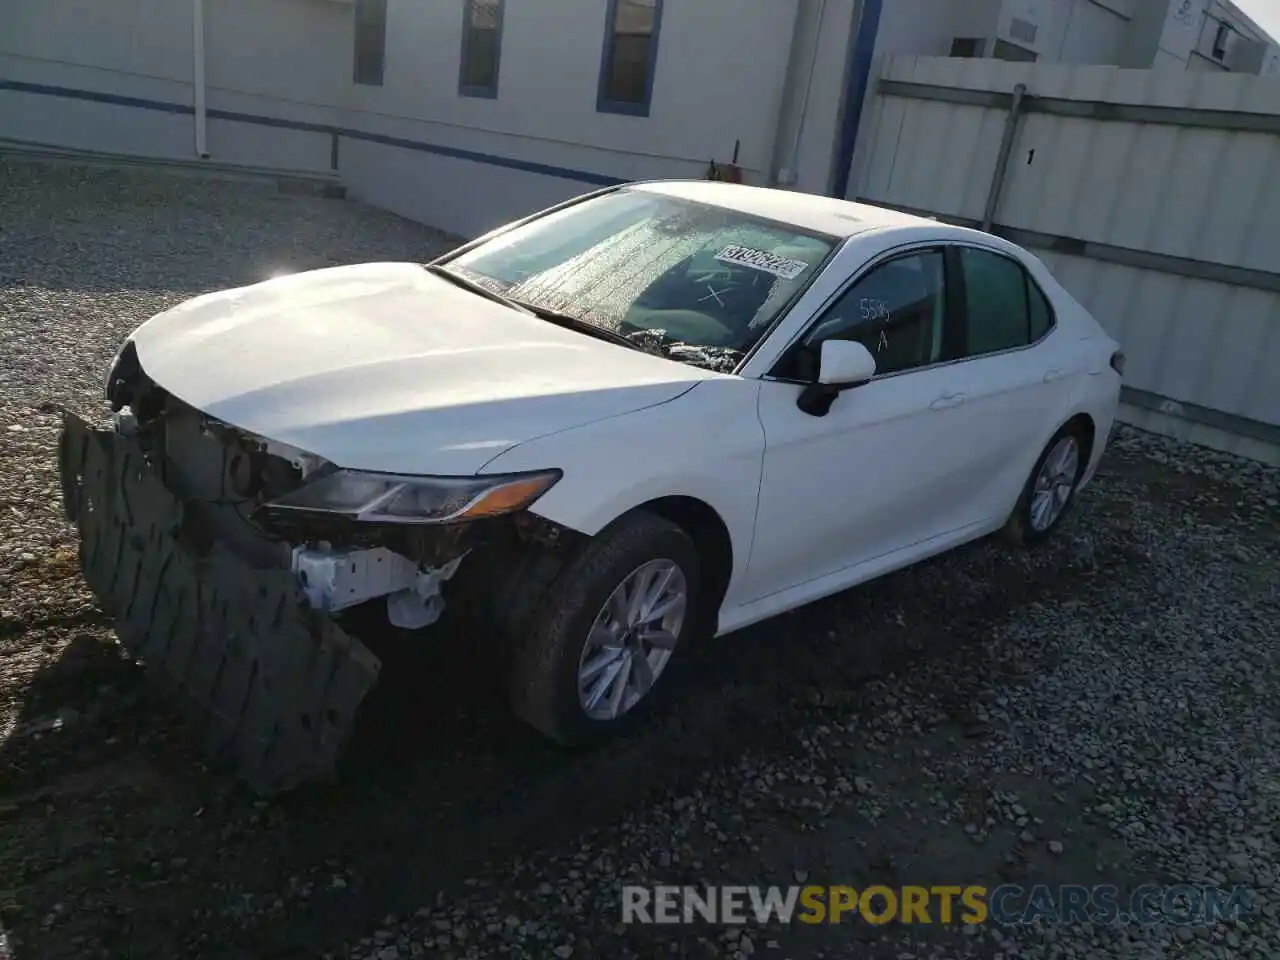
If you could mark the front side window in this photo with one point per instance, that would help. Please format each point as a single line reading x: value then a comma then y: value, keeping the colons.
x: 370, y: 42
x: 686, y: 280
x: 1003, y: 306
x: 481, y: 48
x: 630, y: 55
x: 897, y: 311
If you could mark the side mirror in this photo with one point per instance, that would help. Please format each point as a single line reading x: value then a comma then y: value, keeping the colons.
x: 845, y: 363
x: 842, y: 365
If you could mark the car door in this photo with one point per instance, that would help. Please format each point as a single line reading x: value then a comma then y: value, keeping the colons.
x: 862, y: 480
x: 1015, y: 380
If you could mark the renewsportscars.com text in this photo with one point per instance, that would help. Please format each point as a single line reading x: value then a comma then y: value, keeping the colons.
x: 1008, y: 904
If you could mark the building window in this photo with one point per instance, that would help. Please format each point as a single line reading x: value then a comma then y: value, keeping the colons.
x: 967, y: 46
x: 1002, y: 50
x: 1024, y: 31
x: 371, y: 42
x: 1220, y: 40
x: 481, y: 48
x: 630, y: 53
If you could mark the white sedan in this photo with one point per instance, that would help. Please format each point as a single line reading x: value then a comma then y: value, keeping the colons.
x: 653, y: 414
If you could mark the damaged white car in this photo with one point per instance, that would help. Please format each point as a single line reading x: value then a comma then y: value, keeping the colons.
x: 656, y: 413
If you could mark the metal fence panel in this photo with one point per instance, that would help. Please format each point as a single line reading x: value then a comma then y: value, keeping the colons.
x: 1153, y: 197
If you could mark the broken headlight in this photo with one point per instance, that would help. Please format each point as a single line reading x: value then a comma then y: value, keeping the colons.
x: 387, y: 498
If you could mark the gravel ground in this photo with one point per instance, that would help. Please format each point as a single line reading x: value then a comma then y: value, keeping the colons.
x: 1100, y: 710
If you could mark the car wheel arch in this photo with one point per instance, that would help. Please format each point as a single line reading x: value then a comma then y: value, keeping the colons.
x: 1083, y: 423
x: 710, y: 535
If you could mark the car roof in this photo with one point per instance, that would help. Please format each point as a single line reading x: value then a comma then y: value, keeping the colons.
x: 808, y: 211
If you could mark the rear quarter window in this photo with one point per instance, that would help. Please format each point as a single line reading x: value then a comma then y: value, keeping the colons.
x: 995, y: 292
x: 1042, y: 318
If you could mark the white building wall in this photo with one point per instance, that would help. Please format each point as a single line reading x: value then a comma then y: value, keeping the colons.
x: 809, y: 127
x: 721, y: 69
x: 1070, y: 31
x: 926, y: 28
x: 135, y: 48
x: 272, y: 59
x: 118, y: 78
x: 1139, y: 34
x: 281, y: 95
x: 1087, y: 31
x: 287, y: 59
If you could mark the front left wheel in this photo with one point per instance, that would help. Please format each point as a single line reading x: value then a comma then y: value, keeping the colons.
x: 608, y: 631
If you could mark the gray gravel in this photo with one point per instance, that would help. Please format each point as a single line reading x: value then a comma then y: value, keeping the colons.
x: 1101, y: 710
x: 86, y: 254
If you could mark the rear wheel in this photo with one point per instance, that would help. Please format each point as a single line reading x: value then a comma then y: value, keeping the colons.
x: 608, y: 631
x: 1050, y: 489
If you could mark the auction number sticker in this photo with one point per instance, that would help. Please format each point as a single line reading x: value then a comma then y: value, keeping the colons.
x: 762, y: 260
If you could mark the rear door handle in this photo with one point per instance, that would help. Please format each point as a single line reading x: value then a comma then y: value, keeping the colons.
x: 1055, y: 373
x: 947, y: 400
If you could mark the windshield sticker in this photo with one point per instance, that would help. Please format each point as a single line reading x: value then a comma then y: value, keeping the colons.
x: 762, y: 260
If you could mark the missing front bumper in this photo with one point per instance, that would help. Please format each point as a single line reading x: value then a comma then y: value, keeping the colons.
x: 274, y: 684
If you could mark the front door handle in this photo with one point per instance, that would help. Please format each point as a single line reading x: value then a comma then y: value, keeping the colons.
x: 947, y: 400
x: 1055, y: 373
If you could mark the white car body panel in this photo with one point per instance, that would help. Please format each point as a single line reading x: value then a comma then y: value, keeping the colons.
x: 386, y: 367
x: 860, y: 483
x: 880, y: 482
x: 706, y: 444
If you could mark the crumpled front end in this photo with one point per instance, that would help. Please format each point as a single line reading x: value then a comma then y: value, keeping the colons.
x: 274, y: 682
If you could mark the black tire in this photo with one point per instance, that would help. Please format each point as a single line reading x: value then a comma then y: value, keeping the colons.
x: 543, y: 678
x: 1019, y: 529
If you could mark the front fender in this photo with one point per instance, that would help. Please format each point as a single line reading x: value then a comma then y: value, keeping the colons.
x: 707, y: 444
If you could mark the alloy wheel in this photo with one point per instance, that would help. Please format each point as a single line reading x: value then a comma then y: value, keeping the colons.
x: 632, y: 639
x: 1055, y: 483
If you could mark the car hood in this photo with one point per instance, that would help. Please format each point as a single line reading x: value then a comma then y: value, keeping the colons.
x: 386, y: 367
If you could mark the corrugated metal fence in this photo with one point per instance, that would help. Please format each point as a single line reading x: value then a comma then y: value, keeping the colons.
x: 1154, y: 197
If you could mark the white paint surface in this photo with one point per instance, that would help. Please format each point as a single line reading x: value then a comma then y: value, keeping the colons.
x: 385, y: 367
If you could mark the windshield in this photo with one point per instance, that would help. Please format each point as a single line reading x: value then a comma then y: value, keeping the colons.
x: 688, y: 281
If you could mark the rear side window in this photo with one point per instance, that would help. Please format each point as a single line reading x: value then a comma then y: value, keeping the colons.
x: 998, y: 310
x: 1041, y: 312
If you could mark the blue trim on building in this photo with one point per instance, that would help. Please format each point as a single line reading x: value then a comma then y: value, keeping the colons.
x: 603, y: 103
x: 510, y: 163
x: 471, y: 90
x: 48, y: 90
x: 422, y: 146
x: 858, y: 74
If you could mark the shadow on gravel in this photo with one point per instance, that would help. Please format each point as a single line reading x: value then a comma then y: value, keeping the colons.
x: 119, y: 840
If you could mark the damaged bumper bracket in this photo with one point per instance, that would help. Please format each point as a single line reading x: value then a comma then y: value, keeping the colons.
x: 274, y: 684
